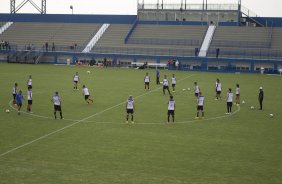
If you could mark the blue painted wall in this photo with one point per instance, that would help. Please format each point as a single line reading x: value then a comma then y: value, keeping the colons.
x: 270, y: 21
x: 112, y: 19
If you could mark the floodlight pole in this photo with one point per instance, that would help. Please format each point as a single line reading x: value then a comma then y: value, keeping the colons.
x: 71, y: 7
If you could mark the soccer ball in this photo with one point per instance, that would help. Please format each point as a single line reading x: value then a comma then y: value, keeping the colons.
x: 183, y: 89
x: 188, y: 89
x: 7, y: 110
x: 252, y: 107
x: 271, y: 115
x: 88, y: 72
x: 243, y: 102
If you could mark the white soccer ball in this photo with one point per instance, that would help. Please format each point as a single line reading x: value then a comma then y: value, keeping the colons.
x: 88, y: 72
x: 7, y: 110
x: 243, y: 102
x: 271, y: 115
x: 188, y: 89
x: 252, y: 107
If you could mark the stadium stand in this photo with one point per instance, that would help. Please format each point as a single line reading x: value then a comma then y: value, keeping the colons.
x: 241, y: 42
x: 37, y: 34
x: 1, y: 24
x: 276, y: 42
x: 152, y: 39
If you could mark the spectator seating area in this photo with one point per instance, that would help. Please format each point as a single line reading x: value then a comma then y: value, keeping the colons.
x: 1, y: 24
x: 250, y: 42
x: 152, y: 39
x: 148, y: 39
x: 37, y: 34
x: 276, y: 43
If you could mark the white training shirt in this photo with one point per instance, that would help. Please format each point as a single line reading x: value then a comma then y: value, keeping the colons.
x: 171, y: 105
x: 14, y: 90
x: 173, y: 80
x: 75, y: 78
x: 86, y: 91
x: 147, y: 79
x: 57, y: 100
x: 237, y: 91
x: 29, y: 82
x: 218, y: 87
x: 29, y: 95
x: 130, y: 103
x: 165, y: 82
x: 196, y: 89
x: 230, y: 97
x: 201, y: 101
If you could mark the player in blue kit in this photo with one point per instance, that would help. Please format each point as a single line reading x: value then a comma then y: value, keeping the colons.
x: 19, y: 101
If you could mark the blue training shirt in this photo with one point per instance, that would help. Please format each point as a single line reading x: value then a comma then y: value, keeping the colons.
x: 19, y: 98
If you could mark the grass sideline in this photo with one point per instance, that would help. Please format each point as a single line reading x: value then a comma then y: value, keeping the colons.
x: 243, y: 148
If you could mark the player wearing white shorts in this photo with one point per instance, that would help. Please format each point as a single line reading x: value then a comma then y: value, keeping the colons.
x: 86, y: 94
x: 130, y: 107
x: 75, y: 81
x: 229, y: 101
x: 200, y: 105
x: 196, y: 89
x: 56, y: 99
x: 147, y: 81
x: 173, y: 82
x: 29, y: 99
x: 171, y: 109
x: 237, y: 94
x: 165, y: 85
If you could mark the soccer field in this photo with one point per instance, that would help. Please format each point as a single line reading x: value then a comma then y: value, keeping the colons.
x: 93, y: 144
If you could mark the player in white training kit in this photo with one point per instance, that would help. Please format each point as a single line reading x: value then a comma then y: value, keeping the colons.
x: 147, y: 81
x: 229, y: 101
x: 196, y: 89
x: 173, y: 82
x: 130, y: 107
x: 171, y: 109
x: 86, y: 94
x: 56, y: 99
x: 200, y: 105
x: 29, y: 99
x: 218, y: 89
x: 165, y: 85
x: 75, y: 81
x: 237, y: 94
x: 15, y: 93
x: 29, y: 82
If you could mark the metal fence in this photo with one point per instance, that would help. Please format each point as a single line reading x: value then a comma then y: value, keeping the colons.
x: 188, y: 6
x: 245, y: 44
x: 156, y: 41
x: 246, y: 53
x: 143, y: 51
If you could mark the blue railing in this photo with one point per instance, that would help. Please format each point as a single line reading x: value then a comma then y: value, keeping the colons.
x: 144, y: 51
x: 240, y: 44
x: 131, y: 31
x: 156, y: 41
x: 247, y: 53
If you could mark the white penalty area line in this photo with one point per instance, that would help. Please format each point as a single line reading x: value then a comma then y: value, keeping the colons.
x: 77, y: 122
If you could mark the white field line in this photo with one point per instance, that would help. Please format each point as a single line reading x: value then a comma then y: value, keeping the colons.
x: 79, y: 121
x: 181, y: 122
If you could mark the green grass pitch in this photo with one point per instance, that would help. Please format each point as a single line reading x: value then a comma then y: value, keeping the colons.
x: 94, y: 145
